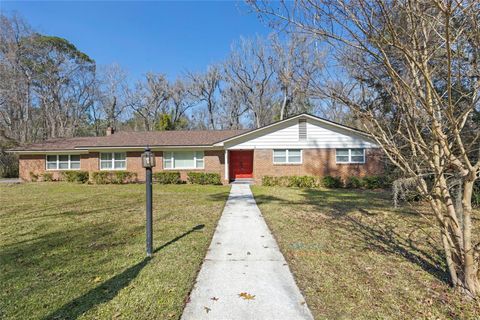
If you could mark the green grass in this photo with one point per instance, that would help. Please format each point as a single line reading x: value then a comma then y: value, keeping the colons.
x: 354, y: 257
x: 77, y: 251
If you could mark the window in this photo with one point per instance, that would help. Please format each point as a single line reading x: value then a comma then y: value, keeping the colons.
x: 183, y: 160
x: 350, y: 155
x: 287, y: 156
x: 113, y: 161
x: 63, y: 161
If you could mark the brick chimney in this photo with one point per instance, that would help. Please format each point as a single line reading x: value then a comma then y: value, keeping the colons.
x: 110, y: 131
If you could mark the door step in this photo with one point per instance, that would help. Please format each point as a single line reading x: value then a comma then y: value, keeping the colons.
x: 243, y: 181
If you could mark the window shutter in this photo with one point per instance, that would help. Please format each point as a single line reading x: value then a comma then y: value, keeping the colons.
x: 302, y: 129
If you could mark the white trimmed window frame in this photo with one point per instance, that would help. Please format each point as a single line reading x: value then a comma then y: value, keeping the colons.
x: 287, y: 157
x: 350, y: 156
x: 112, y: 162
x: 172, y: 160
x: 57, y: 168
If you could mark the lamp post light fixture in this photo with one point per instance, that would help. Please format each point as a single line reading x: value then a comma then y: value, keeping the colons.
x: 148, y: 162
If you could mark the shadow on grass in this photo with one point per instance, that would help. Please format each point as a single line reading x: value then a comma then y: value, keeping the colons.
x: 110, y: 288
x: 381, y: 236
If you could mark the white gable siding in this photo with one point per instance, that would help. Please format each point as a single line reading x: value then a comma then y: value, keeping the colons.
x: 286, y: 135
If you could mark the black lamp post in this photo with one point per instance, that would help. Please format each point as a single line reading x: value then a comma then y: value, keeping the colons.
x: 148, y: 162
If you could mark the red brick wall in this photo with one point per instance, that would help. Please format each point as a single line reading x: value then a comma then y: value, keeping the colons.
x: 214, y: 162
x: 316, y: 162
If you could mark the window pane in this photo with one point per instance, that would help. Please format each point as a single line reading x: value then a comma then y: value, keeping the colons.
x: 184, y: 160
x: 279, y: 156
x: 52, y: 165
x: 63, y: 165
x: 294, y: 156
x: 357, y: 152
x: 75, y: 165
x: 63, y: 158
x: 105, y: 164
x: 120, y: 164
x: 75, y: 158
x: 199, y: 155
x: 342, y: 158
x: 358, y: 158
x: 342, y: 152
x: 120, y: 155
x: 106, y: 156
x: 167, y: 160
x: 52, y: 158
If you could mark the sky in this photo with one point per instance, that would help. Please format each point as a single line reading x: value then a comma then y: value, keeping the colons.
x: 159, y: 36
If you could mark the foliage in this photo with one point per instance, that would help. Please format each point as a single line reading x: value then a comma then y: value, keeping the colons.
x: 167, y: 177
x: 354, y: 183
x: 291, y: 181
x: 8, y: 165
x: 114, y: 177
x: 76, y: 176
x: 332, y: 182
x: 204, y: 178
x: 47, y: 176
x: 375, y: 182
x: 33, y: 176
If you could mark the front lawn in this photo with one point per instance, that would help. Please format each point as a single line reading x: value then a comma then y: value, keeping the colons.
x: 72, y: 251
x: 354, y: 257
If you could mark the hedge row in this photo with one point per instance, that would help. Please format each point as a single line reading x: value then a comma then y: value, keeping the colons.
x: 370, y: 182
x: 120, y: 177
x: 99, y: 177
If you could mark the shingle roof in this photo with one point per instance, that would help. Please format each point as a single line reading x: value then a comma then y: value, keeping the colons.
x: 137, y: 139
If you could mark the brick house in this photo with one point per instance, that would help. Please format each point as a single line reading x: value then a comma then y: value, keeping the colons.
x: 300, y: 145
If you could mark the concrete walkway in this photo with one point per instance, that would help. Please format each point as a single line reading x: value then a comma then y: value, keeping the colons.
x: 244, y: 259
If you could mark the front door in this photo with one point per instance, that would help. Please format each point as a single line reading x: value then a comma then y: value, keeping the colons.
x: 241, y: 164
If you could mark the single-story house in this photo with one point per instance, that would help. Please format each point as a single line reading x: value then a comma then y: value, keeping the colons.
x: 300, y: 145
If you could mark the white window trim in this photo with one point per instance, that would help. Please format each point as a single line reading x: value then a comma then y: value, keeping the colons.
x: 112, y: 168
x: 350, y: 156
x: 172, y: 159
x: 58, y: 162
x: 287, y: 157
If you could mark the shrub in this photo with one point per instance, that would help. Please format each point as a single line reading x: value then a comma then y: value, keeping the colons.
x: 116, y: 177
x: 47, y: 176
x: 33, y: 176
x: 375, y: 182
x: 75, y: 176
x: 119, y: 177
x: 291, y: 181
x: 354, y: 183
x: 203, y: 178
x: 332, y: 182
x: 168, y: 177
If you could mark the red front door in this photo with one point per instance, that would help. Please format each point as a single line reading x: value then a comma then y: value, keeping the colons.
x: 241, y: 164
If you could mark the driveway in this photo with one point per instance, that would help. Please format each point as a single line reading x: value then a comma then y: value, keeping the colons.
x: 244, y: 275
x: 11, y: 180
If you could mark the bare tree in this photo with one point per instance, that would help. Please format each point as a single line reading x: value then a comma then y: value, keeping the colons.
x: 249, y: 71
x: 205, y: 88
x: 414, y: 66
x: 112, y: 90
x: 297, y: 64
x: 16, y: 83
x: 150, y: 99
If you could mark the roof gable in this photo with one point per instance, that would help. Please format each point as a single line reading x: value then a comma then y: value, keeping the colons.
x: 293, y: 121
